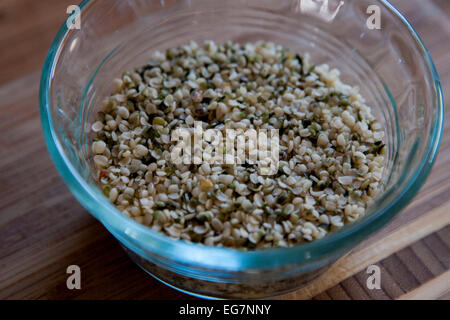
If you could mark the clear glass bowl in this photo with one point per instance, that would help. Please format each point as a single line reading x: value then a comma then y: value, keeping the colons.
x: 392, y: 67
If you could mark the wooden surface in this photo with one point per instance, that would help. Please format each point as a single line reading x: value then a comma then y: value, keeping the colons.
x: 43, y: 229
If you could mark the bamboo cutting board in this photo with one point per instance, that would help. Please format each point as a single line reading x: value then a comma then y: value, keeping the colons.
x: 43, y: 229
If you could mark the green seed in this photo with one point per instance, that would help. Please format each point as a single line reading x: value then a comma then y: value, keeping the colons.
x: 158, y: 121
x: 106, y: 190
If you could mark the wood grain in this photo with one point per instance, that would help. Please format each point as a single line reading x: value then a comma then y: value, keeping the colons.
x: 27, y: 30
x: 364, y: 256
x: 43, y: 229
x: 432, y: 290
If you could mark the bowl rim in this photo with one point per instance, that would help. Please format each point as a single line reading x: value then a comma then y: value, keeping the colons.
x: 141, y: 238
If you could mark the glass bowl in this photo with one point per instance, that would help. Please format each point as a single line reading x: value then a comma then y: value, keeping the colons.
x: 391, y: 66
